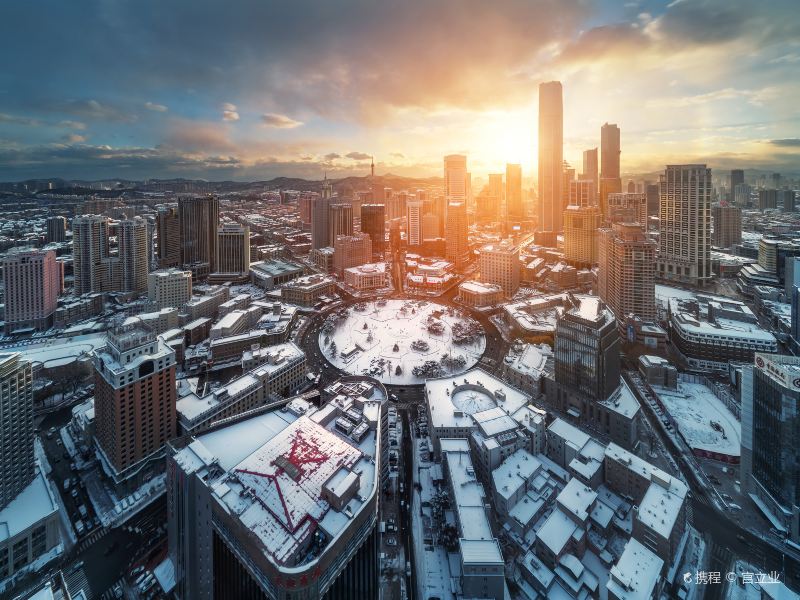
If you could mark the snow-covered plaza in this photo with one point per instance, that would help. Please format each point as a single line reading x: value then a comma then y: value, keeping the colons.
x: 401, y: 342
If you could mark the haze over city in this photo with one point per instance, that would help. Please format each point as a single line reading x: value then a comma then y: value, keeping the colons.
x: 252, y: 91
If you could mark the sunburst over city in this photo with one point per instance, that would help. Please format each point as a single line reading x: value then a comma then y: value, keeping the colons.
x: 428, y: 300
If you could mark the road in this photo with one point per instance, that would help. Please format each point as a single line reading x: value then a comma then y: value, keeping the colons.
x: 718, y: 526
x: 405, y: 515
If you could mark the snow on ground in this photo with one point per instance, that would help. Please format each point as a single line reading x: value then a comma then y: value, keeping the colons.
x: 58, y: 351
x: 694, y: 408
x: 375, y: 338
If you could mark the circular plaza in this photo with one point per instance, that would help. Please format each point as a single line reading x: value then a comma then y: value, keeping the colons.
x: 401, y: 342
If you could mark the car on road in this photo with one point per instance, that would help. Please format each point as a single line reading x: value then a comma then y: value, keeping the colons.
x: 391, y: 541
x: 741, y: 538
x: 76, y: 567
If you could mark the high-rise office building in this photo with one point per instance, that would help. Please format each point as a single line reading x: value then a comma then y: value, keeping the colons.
x: 590, y: 167
x: 279, y: 505
x: 770, y: 458
x: 90, y: 254
x: 627, y: 207
x: 741, y: 195
x: 320, y: 219
x: 727, y: 226
x: 455, y: 177
x: 581, y: 226
x: 737, y: 178
x: 351, y: 251
x: 233, y: 252
x: 414, y: 223
x: 134, y: 400
x: 653, y: 199
x: 582, y: 193
x: 586, y: 348
x: 500, y: 265
x: 456, y: 241
x: 373, y: 223
x: 56, y: 229
x: 610, y: 182
x: 304, y: 207
x: 551, y: 156
x: 33, y: 282
x: 134, y: 254
x: 199, y: 220
x: 626, y: 274
x: 340, y: 220
x: 431, y: 227
x: 513, y: 193
x: 168, y: 230
x: 685, y: 222
x: 17, y: 465
x: 169, y: 287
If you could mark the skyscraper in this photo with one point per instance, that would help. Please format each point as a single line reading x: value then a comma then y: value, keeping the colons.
x: 770, y: 459
x: 16, y: 428
x: 170, y: 287
x: 513, y: 193
x: 134, y: 246
x: 551, y: 156
x: 626, y: 274
x: 373, y: 223
x: 500, y: 265
x: 90, y: 254
x: 32, y: 284
x: 727, y: 226
x: 610, y: 181
x: 199, y: 220
x: 685, y: 238
x: 134, y: 400
x: 581, y: 226
x: 590, y: 168
x: 351, y: 251
x: 582, y: 193
x: 233, y: 252
x: 414, y: 222
x: 653, y: 199
x: 455, y: 177
x: 586, y: 348
x: 320, y: 219
x: 456, y: 242
x: 56, y: 229
x: 168, y: 230
x: 737, y: 178
x: 627, y: 207
x: 340, y: 220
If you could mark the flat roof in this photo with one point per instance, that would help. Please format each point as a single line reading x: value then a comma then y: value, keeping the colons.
x: 32, y: 505
x: 577, y: 499
x: 514, y: 471
x: 556, y: 531
x: 636, y: 573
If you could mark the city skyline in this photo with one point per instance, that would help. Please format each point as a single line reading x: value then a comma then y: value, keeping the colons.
x: 311, y: 95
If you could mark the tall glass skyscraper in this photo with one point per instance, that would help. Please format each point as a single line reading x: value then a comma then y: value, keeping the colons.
x: 771, y: 437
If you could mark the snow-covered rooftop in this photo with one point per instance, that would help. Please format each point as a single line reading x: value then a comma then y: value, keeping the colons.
x: 636, y: 573
x: 577, y: 499
x: 32, y: 505
x: 271, y: 475
x: 702, y: 418
x: 660, y: 507
x: 514, y: 472
x: 529, y: 359
x: 622, y: 401
x: 556, y: 531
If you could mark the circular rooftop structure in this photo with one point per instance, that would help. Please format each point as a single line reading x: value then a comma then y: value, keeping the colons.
x: 401, y: 342
x: 471, y: 399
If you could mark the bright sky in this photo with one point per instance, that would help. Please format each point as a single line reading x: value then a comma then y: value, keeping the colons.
x: 256, y: 89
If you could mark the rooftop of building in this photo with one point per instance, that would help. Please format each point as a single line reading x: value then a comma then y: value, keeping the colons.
x: 477, y: 543
x: 622, y: 401
x: 368, y: 269
x: 454, y: 400
x: 275, y: 267
x: 577, y: 499
x: 636, y: 573
x: 272, y: 473
x: 33, y: 504
x: 530, y: 359
x: 515, y: 471
x: 309, y: 282
x: 478, y: 287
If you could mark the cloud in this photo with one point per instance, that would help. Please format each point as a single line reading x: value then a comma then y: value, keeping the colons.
x: 155, y: 107
x: 279, y: 121
x: 228, y: 106
x: 73, y: 138
x: 198, y: 136
x: 17, y: 120
x: 397, y: 155
x: 92, y: 109
x: 786, y: 143
x: 229, y: 112
x: 73, y: 124
x: 357, y: 155
x: 331, y: 156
